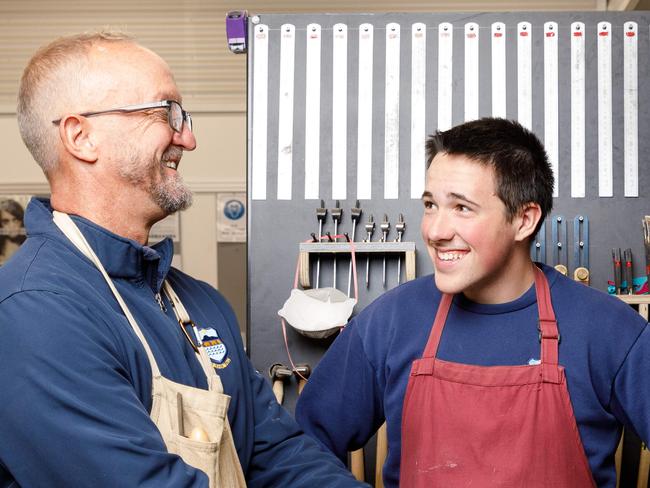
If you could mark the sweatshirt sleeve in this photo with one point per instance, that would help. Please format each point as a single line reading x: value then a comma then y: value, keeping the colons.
x: 341, y: 405
x: 70, y: 414
x: 631, y: 389
x: 281, y: 454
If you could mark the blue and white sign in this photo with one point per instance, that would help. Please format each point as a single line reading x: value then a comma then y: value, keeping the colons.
x: 231, y: 217
x: 234, y: 209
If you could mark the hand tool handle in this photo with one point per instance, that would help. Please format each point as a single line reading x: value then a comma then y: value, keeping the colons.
x: 301, y: 385
x: 357, y: 465
x: 278, y: 390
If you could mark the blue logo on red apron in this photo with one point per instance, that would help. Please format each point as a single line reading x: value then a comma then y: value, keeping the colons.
x: 215, y: 347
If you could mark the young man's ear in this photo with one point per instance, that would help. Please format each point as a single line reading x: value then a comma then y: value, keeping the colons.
x: 528, y: 217
x: 77, y: 138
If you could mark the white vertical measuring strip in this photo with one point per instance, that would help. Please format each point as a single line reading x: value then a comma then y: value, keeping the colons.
x: 312, y: 111
x: 445, y: 72
x: 285, y: 104
x: 391, y: 116
x: 605, y: 163
x: 364, y: 115
x: 577, y: 110
x: 551, y: 100
x: 260, y: 110
x: 339, y: 110
x: 630, y: 110
x: 471, y: 70
x: 524, y: 75
x: 499, y: 69
x: 418, y: 102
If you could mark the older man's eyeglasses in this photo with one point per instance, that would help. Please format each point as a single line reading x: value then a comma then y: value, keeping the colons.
x: 176, y: 116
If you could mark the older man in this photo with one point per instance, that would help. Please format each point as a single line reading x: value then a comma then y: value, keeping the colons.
x: 109, y: 357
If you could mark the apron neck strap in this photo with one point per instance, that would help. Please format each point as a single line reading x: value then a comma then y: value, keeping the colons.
x: 184, y: 320
x: 548, y: 331
x: 549, y: 336
x: 438, y: 325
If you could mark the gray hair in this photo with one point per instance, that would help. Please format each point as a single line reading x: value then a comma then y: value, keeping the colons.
x: 50, y: 86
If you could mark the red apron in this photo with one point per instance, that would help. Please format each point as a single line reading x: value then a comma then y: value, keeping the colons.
x: 484, y: 426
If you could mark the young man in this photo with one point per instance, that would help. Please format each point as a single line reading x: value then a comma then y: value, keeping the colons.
x: 491, y: 393
x: 89, y: 397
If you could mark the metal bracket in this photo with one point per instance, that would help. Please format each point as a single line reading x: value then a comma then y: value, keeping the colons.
x: 538, y: 245
x: 559, y: 242
x: 581, y: 249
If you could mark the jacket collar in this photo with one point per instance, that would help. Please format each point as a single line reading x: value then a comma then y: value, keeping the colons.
x: 122, y: 257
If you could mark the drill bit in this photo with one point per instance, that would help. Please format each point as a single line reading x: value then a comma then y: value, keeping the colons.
x: 370, y: 230
x: 400, y: 227
x: 337, y: 213
x: 321, y: 214
x: 355, y: 214
x: 385, y: 227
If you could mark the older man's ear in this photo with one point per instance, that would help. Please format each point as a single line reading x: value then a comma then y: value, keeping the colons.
x: 78, y: 138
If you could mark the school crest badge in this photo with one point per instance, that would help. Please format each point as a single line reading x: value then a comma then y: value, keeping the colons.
x: 215, y: 347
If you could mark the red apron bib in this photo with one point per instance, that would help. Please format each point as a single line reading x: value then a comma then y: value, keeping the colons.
x: 484, y: 426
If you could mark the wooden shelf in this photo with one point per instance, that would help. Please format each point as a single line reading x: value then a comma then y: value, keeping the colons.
x: 635, y: 299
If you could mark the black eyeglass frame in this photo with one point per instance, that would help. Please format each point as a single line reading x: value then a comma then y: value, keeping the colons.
x: 174, y: 123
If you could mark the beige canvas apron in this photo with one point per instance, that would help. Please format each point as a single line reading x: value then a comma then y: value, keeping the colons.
x: 179, y: 410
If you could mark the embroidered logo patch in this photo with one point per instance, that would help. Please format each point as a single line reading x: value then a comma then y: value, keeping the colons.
x: 215, y: 347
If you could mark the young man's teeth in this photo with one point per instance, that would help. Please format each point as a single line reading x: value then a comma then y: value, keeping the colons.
x: 450, y: 256
x: 171, y: 164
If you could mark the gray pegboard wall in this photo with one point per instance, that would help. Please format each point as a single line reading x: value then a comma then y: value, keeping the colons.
x: 282, y: 211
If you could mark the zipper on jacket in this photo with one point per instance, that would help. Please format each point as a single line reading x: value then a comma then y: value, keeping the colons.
x: 160, y: 302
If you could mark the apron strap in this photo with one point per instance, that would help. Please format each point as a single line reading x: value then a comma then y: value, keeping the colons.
x: 72, y: 232
x: 431, y: 348
x: 184, y: 320
x: 549, y: 335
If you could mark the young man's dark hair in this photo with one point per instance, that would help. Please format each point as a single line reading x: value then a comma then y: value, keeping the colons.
x: 521, y: 168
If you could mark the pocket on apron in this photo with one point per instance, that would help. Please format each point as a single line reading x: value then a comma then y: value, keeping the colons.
x: 200, y: 455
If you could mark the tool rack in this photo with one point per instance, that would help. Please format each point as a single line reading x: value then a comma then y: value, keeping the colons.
x: 306, y: 249
x: 292, y: 125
